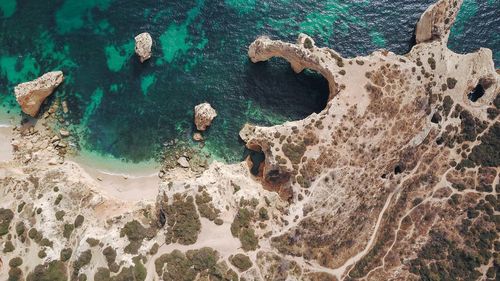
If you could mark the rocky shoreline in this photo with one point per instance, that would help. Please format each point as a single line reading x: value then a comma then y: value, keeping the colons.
x: 397, y: 178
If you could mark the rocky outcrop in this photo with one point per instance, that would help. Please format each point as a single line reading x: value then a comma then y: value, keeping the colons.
x: 302, y: 55
x: 396, y: 130
x: 204, y: 114
x: 30, y: 95
x: 143, y: 44
x: 435, y: 23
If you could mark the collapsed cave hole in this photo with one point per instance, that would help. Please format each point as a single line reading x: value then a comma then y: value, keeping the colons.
x: 275, y: 88
x: 256, y: 158
x: 477, y: 93
x: 398, y: 169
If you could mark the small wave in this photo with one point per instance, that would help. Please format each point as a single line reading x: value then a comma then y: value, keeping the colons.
x: 126, y: 175
x: 5, y: 126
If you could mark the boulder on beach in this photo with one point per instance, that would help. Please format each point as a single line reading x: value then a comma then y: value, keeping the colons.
x: 30, y: 95
x: 143, y: 43
x: 203, y: 116
x: 183, y: 162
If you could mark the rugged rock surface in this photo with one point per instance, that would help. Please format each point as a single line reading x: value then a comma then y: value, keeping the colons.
x: 30, y: 95
x: 204, y: 114
x: 396, y: 179
x: 143, y: 44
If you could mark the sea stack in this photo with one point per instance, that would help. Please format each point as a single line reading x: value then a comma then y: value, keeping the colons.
x: 143, y: 43
x: 203, y: 116
x: 30, y: 95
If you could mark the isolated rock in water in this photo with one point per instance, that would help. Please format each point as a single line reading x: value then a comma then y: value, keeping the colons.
x: 197, y: 137
x: 30, y: 95
x: 203, y: 116
x: 183, y: 162
x: 143, y: 43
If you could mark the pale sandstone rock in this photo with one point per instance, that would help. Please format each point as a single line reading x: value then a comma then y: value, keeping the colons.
x: 203, y: 116
x: 143, y: 43
x: 64, y: 133
x: 183, y: 162
x: 435, y: 23
x: 197, y: 137
x: 30, y: 95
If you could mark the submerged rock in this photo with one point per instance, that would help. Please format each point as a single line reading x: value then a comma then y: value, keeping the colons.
x: 203, y: 116
x: 197, y: 137
x: 143, y: 43
x: 30, y: 95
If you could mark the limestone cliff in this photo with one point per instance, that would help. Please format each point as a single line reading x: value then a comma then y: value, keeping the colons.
x: 396, y: 179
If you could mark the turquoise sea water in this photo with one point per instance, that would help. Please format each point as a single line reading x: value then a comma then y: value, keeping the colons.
x: 126, y: 110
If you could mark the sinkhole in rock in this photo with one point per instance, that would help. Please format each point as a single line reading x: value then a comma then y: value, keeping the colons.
x: 256, y: 158
x: 477, y: 93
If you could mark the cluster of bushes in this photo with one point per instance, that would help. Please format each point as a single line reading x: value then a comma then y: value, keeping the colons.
x: 241, y: 261
x: 241, y: 228
x: 182, y: 220
x: 135, y: 233
x: 205, y: 206
x: 203, y: 262
x: 294, y: 152
x: 6, y: 216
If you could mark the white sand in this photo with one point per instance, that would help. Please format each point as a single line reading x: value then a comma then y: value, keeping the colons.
x: 6, y: 152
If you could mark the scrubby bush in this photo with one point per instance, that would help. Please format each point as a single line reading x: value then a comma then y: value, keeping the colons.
x: 68, y: 229
x: 60, y: 215
x: 66, y: 254
x: 6, y: 216
x: 249, y: 241
x: 52, y: 271
x: 241, y: 261
x: 16, y: 262
x: 79, y: 221
x: 8, y: 247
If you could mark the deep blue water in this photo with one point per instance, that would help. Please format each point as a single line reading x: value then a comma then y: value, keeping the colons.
x: 124, y: 109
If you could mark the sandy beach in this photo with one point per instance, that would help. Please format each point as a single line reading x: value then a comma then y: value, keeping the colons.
x: 6, y: 153
x: 123, y: 186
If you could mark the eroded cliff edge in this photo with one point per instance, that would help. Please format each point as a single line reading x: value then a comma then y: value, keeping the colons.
x: 396, y: 179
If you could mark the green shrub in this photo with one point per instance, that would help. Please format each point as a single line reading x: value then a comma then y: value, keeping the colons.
x: 79, y: 221
x: 16, y: 262
x: 15, y: 274
x: 52, y: 271
x: 20, y: 207
x: 42, y: 254
x: 20, y: 228
x: 46, y: 242
x: 8, y: 247
x: 68, y: 229
x: 102, y: 274
x: 249, y: 241
x: 6, y: 216
x: 92, y: 242
x: 241, y: 261
x: 183, y: 221
x: 263, y: 215
x: 66, y: 254
x: 110, y: 254
x: 60, y: 215
x: 202, y: 259
x: 242, y: 219
x: 58, y: 199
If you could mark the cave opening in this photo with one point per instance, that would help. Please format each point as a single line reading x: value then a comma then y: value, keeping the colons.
x: 477, y: 93
x: 256, y: 158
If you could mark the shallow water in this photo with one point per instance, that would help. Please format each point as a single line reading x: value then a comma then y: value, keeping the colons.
x: 123, y: 109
